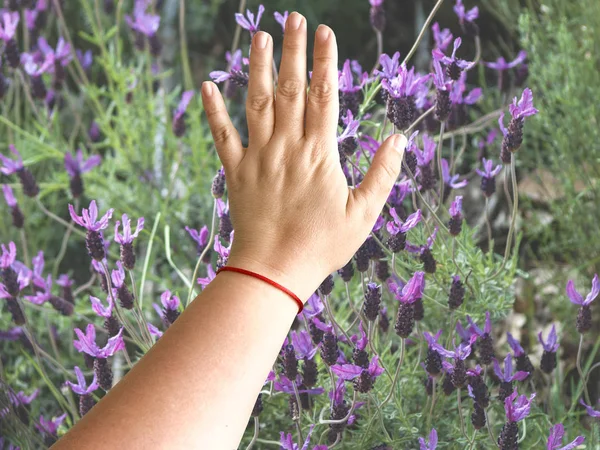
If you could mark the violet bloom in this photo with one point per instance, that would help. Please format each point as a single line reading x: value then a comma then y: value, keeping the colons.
x: 398, y: 229
x: 507, y: 377
x: 451, y: 181
x: 285, y: 385
x: 433, y: 360
x: 18, y: 220
x: 424, y: 252
x: 548, y: 361
x: 523, y: 362
x: 9, y: 167
x: 303, y: 345
x: 360, y: 357
x: 486, y: 344
x: 222, y: 252
x: 408, y: 296
x: 467, y: 18
x: 458, y: 371
x: 89, y: 220
x: 178, y: 125
x: 126, y: 298
x: 377, y: 15
x: 50, y: 427
x: 57, y: 59
x: 516, y: 410
x: 235, y: 75
x: 145, y: 26
x: 249, y: 22
x: 488, y: 176
x: 441, y: 38
x: 287, y: 441
x: 170, y: 311
x: 485, y: 143
x: 457, y: 94
x: 100, y: 309
x: 590, y: 410
x: 35, y: 69
x: 389, y: 66
x: 431, y: 444
x: 347, y: 142
x: 154, y: 331
x: 401, y: 91
x: 126, y: 240
x: 364, y: 379
x: 210, y: 275
x: 455, y: 210
x: 201, y: 239
x: 350, y: 93
x: 35, y: 18
x: 424, y: 159
x: 502, y: 66
x: 454, y: 65
x: 8, y: 29
x: 313, y: 307
x: 76, y: 166
x: 443, y: 104
x: 555, y: 439
x: 85, y: 59
x: 584, y: 317
x: 86, y: 401
x: 281, y: 19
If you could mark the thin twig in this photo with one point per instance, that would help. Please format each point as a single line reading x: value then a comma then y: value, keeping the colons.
x: 423, y: 31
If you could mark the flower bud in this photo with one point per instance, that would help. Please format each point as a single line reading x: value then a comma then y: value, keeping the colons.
x: 290, y: 363
x: 405, y: 320
x: 548, y: 362
x: 418, y: 309
x: 104, y: 373
x: 584, y: 319
x: 457, y: 294
x: 429, y: 263
x: 95, y: 245
x: 125, y: 297
x: 478, y: 417
x: 329, y: 349
x: 326, y: 286
x: 310, y: 372
x: 486, y: 349
x: 347, y: 272
x: 459, y: 373
x: 30, y: 187
x: 443, y: 105
x: 509, y: 436
x: 86, y: 402
x: 61, y: 305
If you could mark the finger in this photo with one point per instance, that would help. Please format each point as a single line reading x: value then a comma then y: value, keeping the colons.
x: 375, y: 188
x: 322, y: 108
x: 291, y: 88
x: 227, y: 140
x: 260, y: 106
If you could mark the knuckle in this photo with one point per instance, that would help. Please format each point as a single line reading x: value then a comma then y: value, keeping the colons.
x: 259, y: 102
x: 290, y: 88
x: 321, y: 91
x: 221, y: 134
x: 390, y: 173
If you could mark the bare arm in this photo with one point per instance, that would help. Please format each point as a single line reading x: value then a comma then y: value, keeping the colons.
x: 295, y: 221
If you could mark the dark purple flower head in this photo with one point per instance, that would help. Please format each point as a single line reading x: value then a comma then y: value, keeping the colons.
x: 452, y: 180
x: 201, y: 237
x: 463, y: 14
x: 303, y: 345
x: 431, y: 444
x: 350, y: 371
x: 313, y: 307
x: 487, y: 329
x: 412, y: 291
x: 10, y: 166
x: 249, y: 22
x: 524, y: 106
x: 590, y: 410
x: 452, y: 59
x: 551, y: 345
x: 442, y: 38
x: 146, y: 24
x: 82, y: 388
x: 455, y: 209
x: 398, y: 226
x: 555, y: 439
x: 420, y: 249
x: 517, y: 407
x: 186, y: 97
x: 514, y: 345
x: 351, y: 130
x: 461, y: 352
x: 501, y: 64
x: 9, y: 196
x: 127, y: 237
x: 346, y: 79
x: 210, y: 276
x: 75, y: 166
x: 89, y: 217
x: 86, y: 343
x: 389, y: 66
x: 169, y: 301
x: 61, y: 55
x: 432, y: 340
x: 281, y: 19
x: 50, y: 426
x: 406, y: 83
x: 8, y: 25
x: 507, y: 375
x: 100, y: 309
x: 8, y: 256
x: 426, y: 156
x: 362, y: 341
x: 577, y: 298
x: 489, y: 171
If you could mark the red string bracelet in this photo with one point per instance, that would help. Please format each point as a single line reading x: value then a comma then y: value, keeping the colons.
x: 266, y: 280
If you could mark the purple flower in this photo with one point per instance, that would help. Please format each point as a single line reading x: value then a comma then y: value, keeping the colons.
x: 432, y: 340
x: 351, y: 129
x: 61, y: 55
x: 426, y: 156
x: 313, y: 307
x: 555, y: 439
x: 452, y: 60
x: 154, y: 331
x: 9, y: 195
x: 34, y: 67
x: 406, y: 83
x: 350, y: 371
x: 507, y: 375
x: 15, y: 333
x: 489, y: 139
x: 577, y: 298
x: 235, y: 64
x: 82, y: 388
x: 75, y: 166
x: 8, y: 255
x: 489, y: 171
x: 442, y: 38
x: 346, y: 79
x: 100, y: 309
x: 514, y: 345
x: 501, y: 64
x: 281, y: 19
x: 524, y: 106
x: 420, y: 249
x: 8, y: 25
x: 201, y: 237
x: 8, y: 165
x: 431, y: 444
x: 186, y: 97
x: 89, y: 218
x: 398, y: 226
x: 303, y: 345
x: 389, y: 66
x: 169, y: 301
x: 85, y: 59
x: 551, y: 345
x: 284, y: 384
x: 146, y: 24
x: 20, y: 398
x: 590, y: 410
x: 249, y: 22
x: 86, y: 343
x: 118, y: 275
x: 487, y: 329
x: 127, y: 237
x: 210, y: 276
x: 440, y: 80
x: 50, y: 426
x: 457, y: 96
x: 287, y: 441
x: 461, y: 352
x: 464, y: 334
x: 455, y: 209
x: 362, y: 342
x: 452, y: 181
x: 517, y: 408
x: 463, y: 15
x: 412, y: 291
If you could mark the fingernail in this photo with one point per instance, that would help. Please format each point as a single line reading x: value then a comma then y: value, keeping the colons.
x: 399, y: 142
x: 323, y: 33
x: 261, y: 39
x: 207, y: 88
x: 294, y: 21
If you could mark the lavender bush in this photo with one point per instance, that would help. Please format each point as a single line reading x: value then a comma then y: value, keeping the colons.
x: 405, y: 347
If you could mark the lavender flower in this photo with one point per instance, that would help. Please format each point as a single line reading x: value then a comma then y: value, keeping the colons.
x: 398, y: 229
x: 590, y: 410
x: 555, y: 439
x: 459, y: 113
x: 50, y: 427
x: 89, y: 220
x: 154, y: 331
x: 99, y: 308
x: 372, y: 301
x: 454, y: 65
x: 486, y: 344
x: 249, y: 22
x: 441, y: 38
x: 18, y: 219
x: 56, y: 59
x: 523, y: 362
x: 287, y: 442
x: 502, y: 66
x: 303, y: 345
x: 477, y: 388
x: 347, y: 142
x: 35, y: 18
x: 126, y: 240
x: 210, y: 276
x: 433, y: 360
x: 455, y: 210
x: 235, y: 75
x: 85, y: 59
x: 424, y: 159
x: 458, y: 371
x: 35, y: 69
x: 443, y: 104
x: 86, y: 401
x: 225, y: 225
x: 364, y: 379
x: 401, y: 91
x: 145, y: 26
x: 516, y: 410
x: 170, y: 311
x: 507, y: 377
x: 513, y: 135
x: 201, y: 238
x: 281, y: 19
x: 488, y: 177
x: 126, y: 298
x: 9, y: 166
x: 548, y: 361
x: 76, y: 166
x: 350, y: 94
x: 467, y: 18
x: 451, y: 181
x: 389, y: 66
x: 485, y: 143
x: 8, y: 30
x: 456, y: 295
x: 178, y: 125
x: 407, y: 296
x: 431, y: 444
x: 359, y: 354
x: 424, y: 252
x: 584, y: 317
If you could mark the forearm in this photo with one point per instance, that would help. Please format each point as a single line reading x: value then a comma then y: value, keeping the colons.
x: 197, y: 386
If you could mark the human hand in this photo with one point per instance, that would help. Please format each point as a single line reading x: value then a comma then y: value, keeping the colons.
x: 295, y: 218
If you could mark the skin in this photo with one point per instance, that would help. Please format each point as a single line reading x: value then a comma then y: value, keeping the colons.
x: 295, y: 220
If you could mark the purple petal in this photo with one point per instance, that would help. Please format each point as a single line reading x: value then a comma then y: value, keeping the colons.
x: 346, y: 371
x: 572, y: 293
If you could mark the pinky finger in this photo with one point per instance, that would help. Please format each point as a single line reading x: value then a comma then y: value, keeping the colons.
x: 227, y: 140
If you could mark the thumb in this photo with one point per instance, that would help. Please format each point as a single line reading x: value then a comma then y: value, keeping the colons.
x: 381, y: 176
